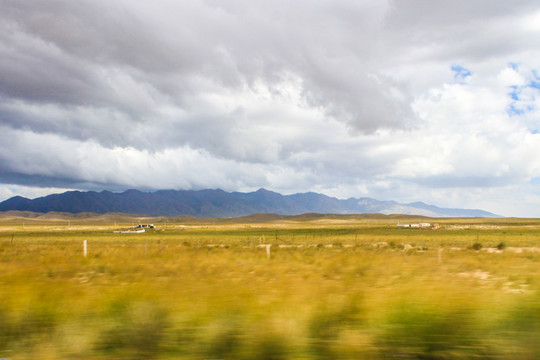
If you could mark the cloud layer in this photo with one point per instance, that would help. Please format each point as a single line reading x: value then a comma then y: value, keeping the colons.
x: 404, y: 100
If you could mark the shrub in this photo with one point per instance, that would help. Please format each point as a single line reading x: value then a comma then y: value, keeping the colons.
x: 270, y: 346
x: 224, y: 338
x: 135, y: 328
x: 326, y: 324
x: 477, y: 246
x: 424, y: 331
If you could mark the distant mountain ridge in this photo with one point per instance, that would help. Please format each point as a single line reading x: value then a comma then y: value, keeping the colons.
x: 218, y: 203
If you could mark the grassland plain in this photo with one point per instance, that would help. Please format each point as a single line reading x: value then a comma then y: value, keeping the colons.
x: 332, y: 287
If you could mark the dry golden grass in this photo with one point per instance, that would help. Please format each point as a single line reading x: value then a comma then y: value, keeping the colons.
x: 333, y: 288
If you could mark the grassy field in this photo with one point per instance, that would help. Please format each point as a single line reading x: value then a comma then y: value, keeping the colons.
x: 335, y: 287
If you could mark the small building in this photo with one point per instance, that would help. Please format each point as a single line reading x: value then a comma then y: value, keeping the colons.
x: 408, y: 225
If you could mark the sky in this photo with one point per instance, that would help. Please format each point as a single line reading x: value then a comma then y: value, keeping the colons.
x: 409, y: 100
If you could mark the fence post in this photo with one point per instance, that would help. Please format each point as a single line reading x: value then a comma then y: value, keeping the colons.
x: 268, y: 251
x: 85, y: 252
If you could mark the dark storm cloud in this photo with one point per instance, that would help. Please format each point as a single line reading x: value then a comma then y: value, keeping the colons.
x: 78, y: 54
x: 58, y: 182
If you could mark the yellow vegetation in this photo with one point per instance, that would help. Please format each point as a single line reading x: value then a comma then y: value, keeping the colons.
x: 333, y: 288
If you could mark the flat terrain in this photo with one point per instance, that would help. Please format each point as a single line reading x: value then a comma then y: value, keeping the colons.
x: 268, y: 287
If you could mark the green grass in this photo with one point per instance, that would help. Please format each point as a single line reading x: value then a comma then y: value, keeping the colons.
x: 205, y: 290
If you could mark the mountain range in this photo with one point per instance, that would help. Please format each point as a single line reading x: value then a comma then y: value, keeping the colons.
x: 218, y: 203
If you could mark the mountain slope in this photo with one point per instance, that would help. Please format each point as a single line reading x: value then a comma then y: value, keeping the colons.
x: 218, y: 203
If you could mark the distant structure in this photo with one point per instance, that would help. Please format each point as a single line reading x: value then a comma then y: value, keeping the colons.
x: 129, y: 231
x: 135, y: 229
x: 419, y: 225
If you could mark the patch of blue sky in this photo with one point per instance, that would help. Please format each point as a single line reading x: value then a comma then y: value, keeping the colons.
x: 514, y: 66
x: 460, y: 72
x: 521, y: 97
x: 535, y: 181
x: 514, y: 94
x: 513, y: 110
x: 534, y: 84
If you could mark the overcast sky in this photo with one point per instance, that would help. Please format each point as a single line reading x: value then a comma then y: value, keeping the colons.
x: 406, y: 100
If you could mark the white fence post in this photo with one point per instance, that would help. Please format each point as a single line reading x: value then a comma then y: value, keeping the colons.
x: 85, y: 252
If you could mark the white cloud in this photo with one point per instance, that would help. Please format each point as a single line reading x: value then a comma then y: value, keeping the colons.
x: 510, y: 77
x: 30, y: 192
x: 343, y: 97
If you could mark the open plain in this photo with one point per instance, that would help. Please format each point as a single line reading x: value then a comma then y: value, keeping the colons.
x: 268, y: 287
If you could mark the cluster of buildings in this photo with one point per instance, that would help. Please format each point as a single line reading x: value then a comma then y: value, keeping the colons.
x: 146, y: 226
x: 135, y: 229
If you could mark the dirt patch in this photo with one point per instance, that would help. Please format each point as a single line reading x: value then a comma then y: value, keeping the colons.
x: 487, y: 279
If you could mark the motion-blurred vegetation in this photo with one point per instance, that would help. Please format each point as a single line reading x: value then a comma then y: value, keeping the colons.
x: 329, y: 288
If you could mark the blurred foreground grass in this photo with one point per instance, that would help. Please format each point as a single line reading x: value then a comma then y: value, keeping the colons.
x: 349, y: 289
